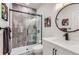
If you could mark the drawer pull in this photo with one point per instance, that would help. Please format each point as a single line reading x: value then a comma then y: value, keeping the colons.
x: 53, y: 51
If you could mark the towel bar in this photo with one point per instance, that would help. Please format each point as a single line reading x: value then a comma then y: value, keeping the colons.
x: 1, y: 28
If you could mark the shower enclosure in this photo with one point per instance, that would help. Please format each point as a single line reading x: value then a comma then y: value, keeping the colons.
x: 26, y: 28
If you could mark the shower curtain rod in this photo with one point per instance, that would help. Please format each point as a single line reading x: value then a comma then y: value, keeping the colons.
x: 24, y: 12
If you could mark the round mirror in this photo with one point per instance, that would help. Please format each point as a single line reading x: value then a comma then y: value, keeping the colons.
x: 67, y: 19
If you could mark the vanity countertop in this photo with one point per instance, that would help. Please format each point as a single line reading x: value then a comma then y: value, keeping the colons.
x: 72, y: 45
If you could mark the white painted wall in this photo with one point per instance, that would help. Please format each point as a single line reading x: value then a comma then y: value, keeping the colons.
x: 51, y: 10
x: 3, y: 24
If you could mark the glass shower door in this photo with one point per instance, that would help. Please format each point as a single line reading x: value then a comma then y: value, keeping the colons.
x: 34, y: 31
x: 18, y: 30
x: 26, y: 29
x: 32, y: 34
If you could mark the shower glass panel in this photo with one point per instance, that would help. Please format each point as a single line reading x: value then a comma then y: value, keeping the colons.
x: 26, y: 29
x: 34, y: 31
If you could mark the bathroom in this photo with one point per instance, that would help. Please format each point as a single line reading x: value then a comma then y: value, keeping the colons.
x: 36, y: 29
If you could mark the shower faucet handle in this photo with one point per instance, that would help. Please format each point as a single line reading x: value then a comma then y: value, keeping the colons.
x: 38, y: 31
x: 27, y: 49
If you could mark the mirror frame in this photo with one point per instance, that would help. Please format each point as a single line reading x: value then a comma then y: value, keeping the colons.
x: 57, y: 19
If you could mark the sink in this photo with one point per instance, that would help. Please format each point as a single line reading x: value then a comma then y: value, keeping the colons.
x: 71, y: 45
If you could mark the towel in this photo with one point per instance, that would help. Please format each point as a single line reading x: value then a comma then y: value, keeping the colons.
x: 6, y: 40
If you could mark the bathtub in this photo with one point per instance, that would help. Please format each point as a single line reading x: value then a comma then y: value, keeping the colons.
x: 25, y: 50
x: 22, y: 50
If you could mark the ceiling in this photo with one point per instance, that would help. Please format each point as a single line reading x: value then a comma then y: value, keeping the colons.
x: 32, y: 5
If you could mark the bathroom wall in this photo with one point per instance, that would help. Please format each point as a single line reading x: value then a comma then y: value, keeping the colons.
x: 3, y: 24
x: 48, y: 10
x: 51, y: 9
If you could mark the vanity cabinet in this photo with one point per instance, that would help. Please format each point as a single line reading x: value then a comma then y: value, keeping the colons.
x: 52, y: 49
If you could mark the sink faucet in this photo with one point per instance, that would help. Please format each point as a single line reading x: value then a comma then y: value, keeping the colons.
x: 66, y: 36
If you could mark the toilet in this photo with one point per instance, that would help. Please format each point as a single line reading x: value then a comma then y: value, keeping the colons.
x: 37, y: 50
